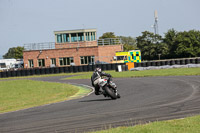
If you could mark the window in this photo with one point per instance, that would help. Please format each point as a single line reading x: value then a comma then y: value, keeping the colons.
x: 121, y: 57
x: 87, y: 59
x: 59, y: 38
x: 66, y: 61
x: 92, y: 36
x: 80, y: 37
x: 30, y: 63
x: 87, y: 34
x: 73, y: 37
x: 53, y: 62
x: 41, y: 62
x: 66, y: 37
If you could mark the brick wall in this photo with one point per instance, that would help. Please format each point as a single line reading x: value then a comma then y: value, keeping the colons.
x: 107, y: 52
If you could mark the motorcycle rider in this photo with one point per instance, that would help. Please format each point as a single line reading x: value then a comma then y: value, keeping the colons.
x: 95, y: 79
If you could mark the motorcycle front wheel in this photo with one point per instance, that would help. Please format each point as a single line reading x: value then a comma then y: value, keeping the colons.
x: 110, y: 92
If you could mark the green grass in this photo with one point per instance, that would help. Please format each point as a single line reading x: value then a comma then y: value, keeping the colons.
x: 145, y: 73
x: 186, y: 125
x: 21, y: 94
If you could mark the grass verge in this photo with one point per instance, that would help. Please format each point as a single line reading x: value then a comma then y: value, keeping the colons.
x: 186, y: 125
x: 21, y: 94
x: 145, y: 73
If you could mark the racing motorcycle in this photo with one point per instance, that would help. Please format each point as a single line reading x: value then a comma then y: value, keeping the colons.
x: 109, y: 88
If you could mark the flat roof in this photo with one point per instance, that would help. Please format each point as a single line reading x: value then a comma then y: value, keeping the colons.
x: 75, y: 31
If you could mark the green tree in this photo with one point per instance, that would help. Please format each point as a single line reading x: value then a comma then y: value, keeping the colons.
x: 188, y: 44
x: 128, y: 42
x: 151, y: 45
x: 169, y: 40
x: 14, y: 52
x: 107, y: 35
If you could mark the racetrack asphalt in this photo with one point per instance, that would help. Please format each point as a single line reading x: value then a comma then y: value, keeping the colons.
x: 142, y: 100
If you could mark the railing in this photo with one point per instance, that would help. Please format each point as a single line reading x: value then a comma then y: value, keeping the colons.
x: 39, y: 46
x: 52, y: 45
x: 109, y: 41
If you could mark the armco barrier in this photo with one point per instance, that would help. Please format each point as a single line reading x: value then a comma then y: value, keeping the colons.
x: 192, y: 61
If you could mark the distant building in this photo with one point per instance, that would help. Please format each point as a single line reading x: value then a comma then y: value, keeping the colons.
x: 71, y: 47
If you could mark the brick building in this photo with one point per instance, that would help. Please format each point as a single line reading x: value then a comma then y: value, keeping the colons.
x: 71, y: 47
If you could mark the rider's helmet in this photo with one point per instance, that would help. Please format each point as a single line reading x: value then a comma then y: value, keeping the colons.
x: 98, y: 69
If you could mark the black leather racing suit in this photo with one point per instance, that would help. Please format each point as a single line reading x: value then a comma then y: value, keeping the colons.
x: 96, y: 75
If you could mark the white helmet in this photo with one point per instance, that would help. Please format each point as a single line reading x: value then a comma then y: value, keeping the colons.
x: 98, y: 69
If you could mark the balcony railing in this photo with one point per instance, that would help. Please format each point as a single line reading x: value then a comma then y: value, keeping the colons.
x: 109, y: 41
x: 51, y: 45
x: 39, y: 46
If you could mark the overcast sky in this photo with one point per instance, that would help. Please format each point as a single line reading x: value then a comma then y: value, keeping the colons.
x: 33, y: 21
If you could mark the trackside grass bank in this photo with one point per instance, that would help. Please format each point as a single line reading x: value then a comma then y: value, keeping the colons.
x: 145, y: 73
x: 186, y: 125
x: 21, y: 94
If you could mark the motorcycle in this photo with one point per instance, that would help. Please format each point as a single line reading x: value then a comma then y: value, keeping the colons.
x: 109, y: 88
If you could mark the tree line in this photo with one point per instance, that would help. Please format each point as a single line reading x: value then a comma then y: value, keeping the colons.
x: 174, y: 44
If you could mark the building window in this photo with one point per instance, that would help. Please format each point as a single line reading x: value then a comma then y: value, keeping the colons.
x: 66, y: 61
x: 66, y: 37
x: 30, y: 63
x: 53, y: 62
x: 93, y: 36
x: 73, y: 37
x: 41, y: 62
x: 59, y: 38
x: 87, y: 60
x: 87, y: 35
x: 80, y: 37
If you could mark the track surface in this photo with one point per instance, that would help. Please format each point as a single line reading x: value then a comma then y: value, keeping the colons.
x: 143, y: 99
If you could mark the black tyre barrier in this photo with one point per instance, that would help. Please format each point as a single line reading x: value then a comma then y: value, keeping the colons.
x: 192, y: 61
x: 70, y: 69
x: 3, y: 74
x: 42, y: 71
x: 23, y: 72
x: 113, y: 66
x: 56, y: 69
x: 90, y: 67
x: 182, y: 62
x: 37, y: 71
x: 139, y: 64
x: 0, y: 74
x: 13, y: 74
x: 65, y: 69
x: 177, y: 62
x: 103, y: 67
x: 108, y: 67
x: 51, y: 70
x: 27, y: 72
x: 158, y: 63
x: 75, y: 69
x: 32, y: 72
x: 162, y: 63
x: 80, y: 69
x: 153, y: 63
x: 197, y: 60
x: 84, y: 68
x: 172, y: 62
x: 144, y: 64
x: 61, y: 69
x: 93, y: 67
x: 47, y: 70
x: 18, y: 73
x: 148, y: 64
x: 187, y: 61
